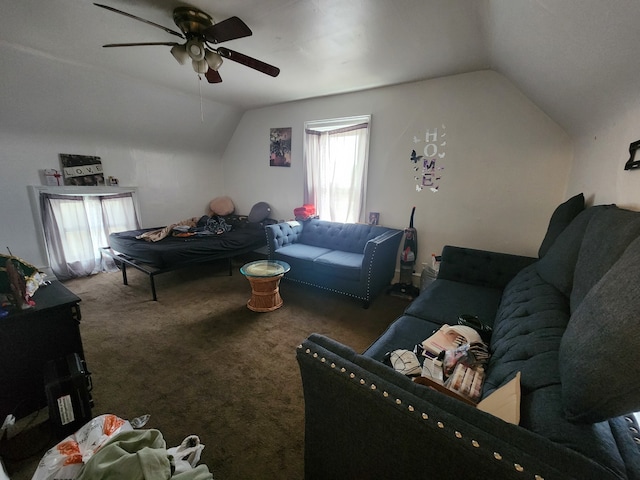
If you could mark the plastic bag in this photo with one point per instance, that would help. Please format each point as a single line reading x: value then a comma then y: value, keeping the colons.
x: 186, y: 455
x: 65, y: 460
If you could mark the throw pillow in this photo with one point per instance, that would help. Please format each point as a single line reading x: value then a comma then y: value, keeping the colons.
x: 558, y: 264
x: 560, y: 219
x: 504, y: 402
x: 222, y: 206
x: 599, y: 354
x: 259, y: 212
x: 608, y: 234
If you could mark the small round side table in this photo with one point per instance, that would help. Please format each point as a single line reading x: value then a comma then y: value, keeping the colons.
x: 264, y: 277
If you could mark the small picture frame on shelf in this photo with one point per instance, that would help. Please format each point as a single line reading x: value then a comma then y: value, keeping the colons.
x: 51, y: 177
x: 374, y: 218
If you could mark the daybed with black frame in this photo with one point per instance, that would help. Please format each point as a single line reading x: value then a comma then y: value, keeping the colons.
x: 182, y: 247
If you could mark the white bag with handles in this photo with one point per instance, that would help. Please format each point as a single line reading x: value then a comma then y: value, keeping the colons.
x: 65, y: 460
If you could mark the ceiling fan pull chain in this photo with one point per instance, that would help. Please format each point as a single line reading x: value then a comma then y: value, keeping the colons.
x: 200, y: 92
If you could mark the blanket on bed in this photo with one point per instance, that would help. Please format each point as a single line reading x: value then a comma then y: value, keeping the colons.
x: 160, y: 233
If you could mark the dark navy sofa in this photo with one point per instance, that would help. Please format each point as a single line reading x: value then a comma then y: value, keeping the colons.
x: 354, y: 259
x: 568, y: 321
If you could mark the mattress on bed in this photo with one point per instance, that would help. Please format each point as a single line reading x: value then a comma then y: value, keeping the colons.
x: 175, y: 251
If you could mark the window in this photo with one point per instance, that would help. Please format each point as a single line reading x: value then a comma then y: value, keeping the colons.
x: 336, y: 153
x: 77, y: 225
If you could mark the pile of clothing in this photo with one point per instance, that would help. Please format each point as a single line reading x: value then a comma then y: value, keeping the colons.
x: 304, y: 212
x: 206, y: 225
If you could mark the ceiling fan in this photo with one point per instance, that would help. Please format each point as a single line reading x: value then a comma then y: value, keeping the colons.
x: 200, y: 33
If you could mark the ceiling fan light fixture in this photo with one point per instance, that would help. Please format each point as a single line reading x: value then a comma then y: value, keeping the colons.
x: 214, y: 60
x: 199, y: 32
x: 200, y: 66
x: 195, y: 49
x: 179, y: 52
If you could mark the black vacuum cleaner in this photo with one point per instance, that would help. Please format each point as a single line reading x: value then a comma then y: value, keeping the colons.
x: 405, y: 288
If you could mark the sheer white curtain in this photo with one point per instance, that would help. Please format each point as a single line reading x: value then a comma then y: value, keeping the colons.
x: 119, y: 213
x: 336, y: 171
x: 77, y: 226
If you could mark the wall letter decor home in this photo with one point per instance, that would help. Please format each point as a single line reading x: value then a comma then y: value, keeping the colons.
x: 428, y: 165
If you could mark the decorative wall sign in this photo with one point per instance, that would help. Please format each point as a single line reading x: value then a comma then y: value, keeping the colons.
x: 280, y: 147
x: 632, y: 163
x: 81, y: 170
x: 428, y: 163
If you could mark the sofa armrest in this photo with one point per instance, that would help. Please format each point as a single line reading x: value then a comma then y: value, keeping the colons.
x: 364, y: 420
x: 480, y: 267
x: 282, y: 234
x: 380, y: 257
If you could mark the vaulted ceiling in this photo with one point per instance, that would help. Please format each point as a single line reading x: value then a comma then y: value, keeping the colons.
x: 574, y: 58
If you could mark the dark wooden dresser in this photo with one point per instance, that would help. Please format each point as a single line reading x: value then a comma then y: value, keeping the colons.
x: 29, y: 339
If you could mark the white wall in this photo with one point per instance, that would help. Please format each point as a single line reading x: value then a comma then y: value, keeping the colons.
x: 600, y: 157
x: 146, y: 136
x: 506, y: 163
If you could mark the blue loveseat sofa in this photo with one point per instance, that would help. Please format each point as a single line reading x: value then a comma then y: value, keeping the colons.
x: 350, y: 258
x: 567, y: 321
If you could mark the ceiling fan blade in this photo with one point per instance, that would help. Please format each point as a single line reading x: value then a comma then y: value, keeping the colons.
x: 148, y: 22
x: 249, y: 61
x: 143, y: 44
x: 226, y: 30
x: 213, y: 76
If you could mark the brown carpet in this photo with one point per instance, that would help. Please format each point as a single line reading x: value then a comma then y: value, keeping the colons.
x: 199, y: 362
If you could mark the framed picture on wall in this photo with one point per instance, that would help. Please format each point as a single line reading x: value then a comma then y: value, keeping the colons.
x: 82, y: 170
x: 280, y: 147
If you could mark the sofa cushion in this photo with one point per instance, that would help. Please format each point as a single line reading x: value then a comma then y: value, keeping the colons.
x: 445, y: 300
x: 341, y: 264
x: 348, y: 237
x: 559, y: 263
x: 480, y: 267
x: 529, y: 325
x: 560, y: 219
x: 608, y: 234
x: 301, y: 251
x: 597, y: 381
